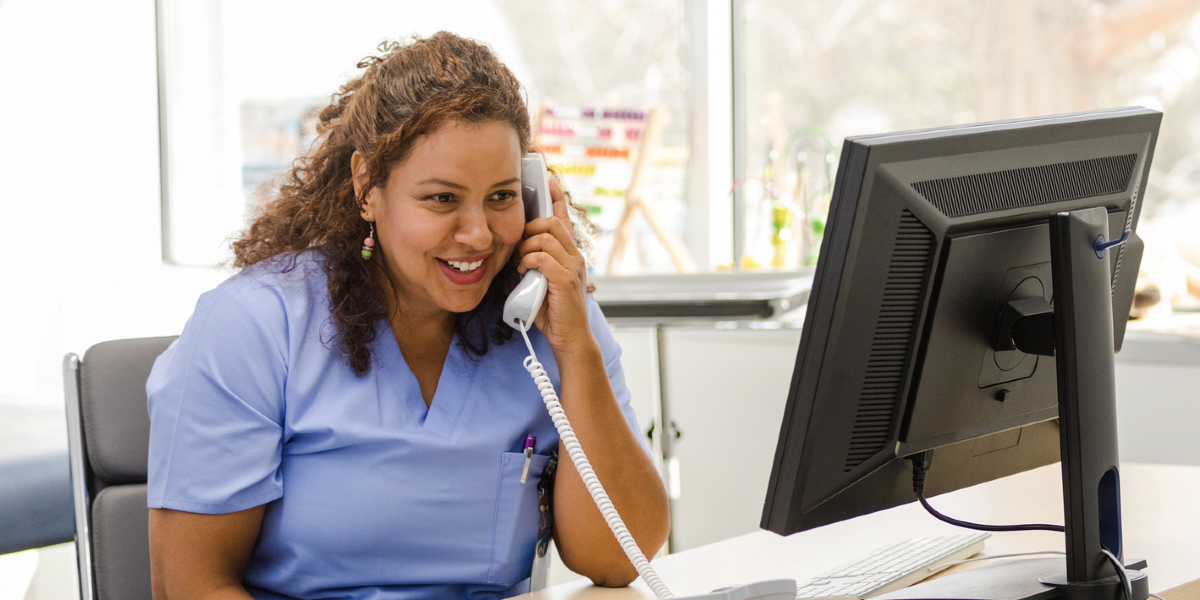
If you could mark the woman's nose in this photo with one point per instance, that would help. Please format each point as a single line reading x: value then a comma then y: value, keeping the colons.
x: 473, y: 230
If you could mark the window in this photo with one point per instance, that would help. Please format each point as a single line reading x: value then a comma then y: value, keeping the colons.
x: 241, y: 81
x: 818, y: 71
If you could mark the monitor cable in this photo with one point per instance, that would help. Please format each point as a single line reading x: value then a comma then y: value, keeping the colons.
x: 1112, y: 558
x: 921, y: 463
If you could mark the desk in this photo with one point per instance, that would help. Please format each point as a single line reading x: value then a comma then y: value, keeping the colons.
x: 1160, y: 510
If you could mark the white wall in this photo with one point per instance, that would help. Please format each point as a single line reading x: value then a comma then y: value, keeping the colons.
x: 726, y: 391
x: 1158, y: 398
x: 79, y: 191
x: 79, y: 215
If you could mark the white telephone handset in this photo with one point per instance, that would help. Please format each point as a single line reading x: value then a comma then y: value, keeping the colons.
x: 519, y: 311
x: 526, y: 299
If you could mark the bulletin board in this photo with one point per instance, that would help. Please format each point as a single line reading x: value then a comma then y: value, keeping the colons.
x: 604, y: 155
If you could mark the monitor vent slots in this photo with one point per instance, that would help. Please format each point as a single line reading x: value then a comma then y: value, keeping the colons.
x: 1031, y: 186
x: 894, y: 329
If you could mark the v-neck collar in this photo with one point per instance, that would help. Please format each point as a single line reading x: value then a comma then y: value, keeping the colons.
x: 456, y: 383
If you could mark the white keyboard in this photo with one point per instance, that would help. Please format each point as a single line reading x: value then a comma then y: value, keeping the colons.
x: 892, y: 567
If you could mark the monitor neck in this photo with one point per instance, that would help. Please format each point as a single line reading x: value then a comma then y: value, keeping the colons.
x: 1083, y: 331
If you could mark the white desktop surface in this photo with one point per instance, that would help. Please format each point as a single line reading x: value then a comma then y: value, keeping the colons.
x: 1160, y: 513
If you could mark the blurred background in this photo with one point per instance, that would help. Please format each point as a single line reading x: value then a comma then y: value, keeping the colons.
x: 755, y: 93
x: 136, y: 136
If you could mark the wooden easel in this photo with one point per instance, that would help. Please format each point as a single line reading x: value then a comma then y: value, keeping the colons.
x: 634, y: 202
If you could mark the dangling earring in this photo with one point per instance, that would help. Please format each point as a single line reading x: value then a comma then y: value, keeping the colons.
x: 369, y: 243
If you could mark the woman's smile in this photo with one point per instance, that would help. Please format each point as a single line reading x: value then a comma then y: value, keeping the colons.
x: 465, y: 271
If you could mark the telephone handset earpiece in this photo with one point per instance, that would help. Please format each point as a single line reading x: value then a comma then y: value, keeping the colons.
x: 526, y: 299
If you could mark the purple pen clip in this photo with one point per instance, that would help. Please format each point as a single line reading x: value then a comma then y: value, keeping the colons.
x: 530, y: 441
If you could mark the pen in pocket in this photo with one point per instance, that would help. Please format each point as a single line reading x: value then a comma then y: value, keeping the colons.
x: 529, y: 443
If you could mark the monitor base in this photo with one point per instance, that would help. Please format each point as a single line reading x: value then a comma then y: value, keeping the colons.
x: 1020, y: 580
x: 1105, y: 588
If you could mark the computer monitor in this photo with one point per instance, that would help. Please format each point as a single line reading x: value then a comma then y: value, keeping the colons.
x: 953, y: 310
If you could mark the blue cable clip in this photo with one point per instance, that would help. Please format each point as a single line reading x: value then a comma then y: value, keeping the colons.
x: 1101, y: 245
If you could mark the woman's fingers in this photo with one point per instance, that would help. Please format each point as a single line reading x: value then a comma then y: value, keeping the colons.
x: 554, y: 227
x: 562, y: 215
x: 550, y: 248
x: 559, y: 203
x: 564, y: 312
x: 554, y: 270
x: 550, y: 244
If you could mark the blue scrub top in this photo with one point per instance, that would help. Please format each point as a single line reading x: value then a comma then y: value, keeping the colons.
x: 369, y: 493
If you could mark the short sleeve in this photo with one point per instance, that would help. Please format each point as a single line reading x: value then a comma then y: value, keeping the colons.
x: 611, y: 351
x: 216, y: 402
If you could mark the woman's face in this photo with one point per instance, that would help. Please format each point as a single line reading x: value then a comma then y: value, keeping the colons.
x: 450, y: 216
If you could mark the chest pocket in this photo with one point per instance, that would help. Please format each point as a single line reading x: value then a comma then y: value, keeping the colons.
x: 515, y: 525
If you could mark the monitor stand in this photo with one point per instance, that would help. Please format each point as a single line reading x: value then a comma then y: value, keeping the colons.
x: 1083, y: 340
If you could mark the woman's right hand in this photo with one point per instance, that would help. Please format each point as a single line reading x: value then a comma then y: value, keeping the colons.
x: 201, y: 557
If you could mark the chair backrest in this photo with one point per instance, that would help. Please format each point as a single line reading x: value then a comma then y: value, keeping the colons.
x: 109, y: 433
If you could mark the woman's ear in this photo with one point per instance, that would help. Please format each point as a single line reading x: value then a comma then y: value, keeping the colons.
x: 358, y: 171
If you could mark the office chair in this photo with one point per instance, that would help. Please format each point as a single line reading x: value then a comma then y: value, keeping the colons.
x: 108, y: 435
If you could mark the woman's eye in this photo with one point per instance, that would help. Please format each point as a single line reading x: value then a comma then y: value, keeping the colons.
x: 503, y: 196
x: 442, y: 198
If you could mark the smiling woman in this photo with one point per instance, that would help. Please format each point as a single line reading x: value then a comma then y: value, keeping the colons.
x: 333, y: 426
x: 375, y: 122
x: 451, y: 208
x: 448, y: 219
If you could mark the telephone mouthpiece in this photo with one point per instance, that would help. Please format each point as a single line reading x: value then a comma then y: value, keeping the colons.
x: 525, y: 301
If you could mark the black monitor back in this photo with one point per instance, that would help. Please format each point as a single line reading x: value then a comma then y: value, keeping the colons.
x: 930, y: 234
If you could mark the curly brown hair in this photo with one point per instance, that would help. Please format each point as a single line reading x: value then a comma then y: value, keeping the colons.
x: 407, y: 91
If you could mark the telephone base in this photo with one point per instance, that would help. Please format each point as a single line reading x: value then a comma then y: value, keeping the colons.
x: 777, y: 589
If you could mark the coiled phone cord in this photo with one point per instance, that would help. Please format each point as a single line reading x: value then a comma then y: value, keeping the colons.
x: 584, y: 468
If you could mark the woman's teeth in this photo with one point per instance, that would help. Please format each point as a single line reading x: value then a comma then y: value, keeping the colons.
x: 464, y: 267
